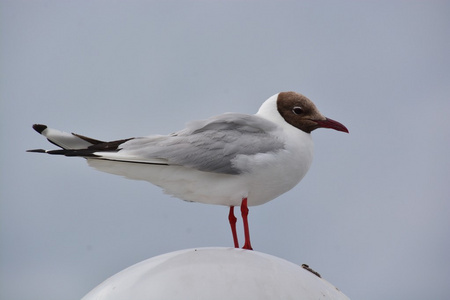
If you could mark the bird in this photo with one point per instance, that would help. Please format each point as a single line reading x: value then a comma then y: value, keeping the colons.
x: 232, y: 159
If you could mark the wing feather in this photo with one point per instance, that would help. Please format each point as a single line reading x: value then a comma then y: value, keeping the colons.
x: 210, y: 145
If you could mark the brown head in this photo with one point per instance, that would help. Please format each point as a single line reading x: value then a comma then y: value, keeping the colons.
x: 301, y: 112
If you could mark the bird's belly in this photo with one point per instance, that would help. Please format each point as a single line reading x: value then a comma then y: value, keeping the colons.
x: 266, y: 180
x: 182, y: 182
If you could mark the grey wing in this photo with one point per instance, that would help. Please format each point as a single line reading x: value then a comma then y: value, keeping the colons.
x: 210, y: 145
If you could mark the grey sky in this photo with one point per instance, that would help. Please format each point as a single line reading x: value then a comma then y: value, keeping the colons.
x: 372, y: 214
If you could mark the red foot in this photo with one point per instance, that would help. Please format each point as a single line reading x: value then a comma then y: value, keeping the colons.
x: 244, y: 212
x: 233, y: 220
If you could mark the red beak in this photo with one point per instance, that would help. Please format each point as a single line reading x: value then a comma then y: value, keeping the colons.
x: 329, y: 123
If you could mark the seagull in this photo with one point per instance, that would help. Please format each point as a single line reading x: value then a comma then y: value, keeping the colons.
x: 232, y: 159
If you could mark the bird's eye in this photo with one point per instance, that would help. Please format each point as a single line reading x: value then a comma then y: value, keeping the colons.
x: 297, y: 110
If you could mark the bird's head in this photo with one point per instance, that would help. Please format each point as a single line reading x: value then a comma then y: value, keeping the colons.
x: 301, y: 112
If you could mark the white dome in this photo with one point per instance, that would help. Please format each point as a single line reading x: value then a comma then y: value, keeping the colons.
x: 215, y: 273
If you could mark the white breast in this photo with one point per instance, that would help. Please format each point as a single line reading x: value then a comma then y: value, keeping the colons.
x: 275, y: 174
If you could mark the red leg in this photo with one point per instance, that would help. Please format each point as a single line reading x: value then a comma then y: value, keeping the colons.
x: 244, y: 212
x: 233, y: 220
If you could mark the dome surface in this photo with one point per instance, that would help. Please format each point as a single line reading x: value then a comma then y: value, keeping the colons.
x: 215, y: 273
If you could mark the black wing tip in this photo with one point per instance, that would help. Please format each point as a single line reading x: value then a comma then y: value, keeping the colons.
x: 39, y: 127
x: 88, y: 139
x: 66, y: 152
x: 37, y: 150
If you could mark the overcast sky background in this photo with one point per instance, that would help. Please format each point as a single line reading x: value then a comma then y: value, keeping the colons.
x: 372, y: 216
